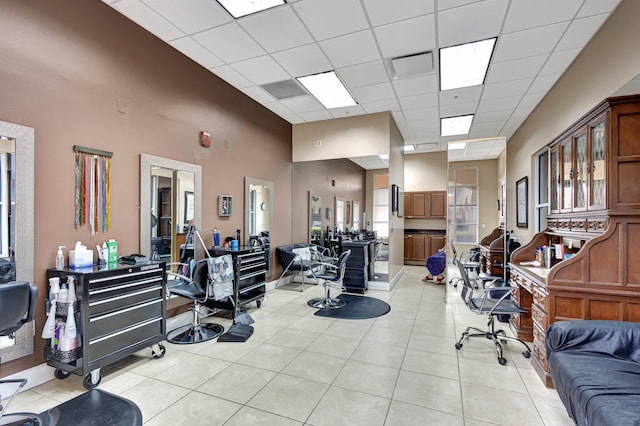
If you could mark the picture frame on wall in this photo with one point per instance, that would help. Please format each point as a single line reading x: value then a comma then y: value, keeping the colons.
x: 189, y: 206
x: 394, y: 197
x: 225, y: 205
x: 522, y: 203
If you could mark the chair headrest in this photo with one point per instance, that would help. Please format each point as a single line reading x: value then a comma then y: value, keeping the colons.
x: 17, y: 304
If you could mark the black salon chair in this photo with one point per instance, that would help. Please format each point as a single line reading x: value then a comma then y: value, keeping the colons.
x: 332, y: 276
x: 195, y: 288
x: 17, y: 307
x: 471, y: 264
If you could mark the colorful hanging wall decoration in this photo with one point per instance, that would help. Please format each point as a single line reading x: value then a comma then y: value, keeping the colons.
x: 93, y: 189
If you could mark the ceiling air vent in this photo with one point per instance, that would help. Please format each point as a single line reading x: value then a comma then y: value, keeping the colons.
x: 418, y: 63
x: 284, y: 89
x: 428, y: 146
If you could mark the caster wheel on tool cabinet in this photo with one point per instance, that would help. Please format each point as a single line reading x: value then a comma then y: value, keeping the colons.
x: 259, y: 303
x: 61, y: 374
x: 88, y: 383
x: 160, y: 353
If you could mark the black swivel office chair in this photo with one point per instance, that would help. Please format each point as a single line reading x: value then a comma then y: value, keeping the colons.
x: 484, y: 305
x: 195, y: 288
x: 332, y: 276
x: 17, y: 307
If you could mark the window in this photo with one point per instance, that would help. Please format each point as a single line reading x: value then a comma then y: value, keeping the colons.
x: 542, y: 189
x: 7, y: 202
x: 381, y: 212
x: 462, y: 194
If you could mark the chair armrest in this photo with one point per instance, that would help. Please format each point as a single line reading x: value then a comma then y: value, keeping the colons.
x: 619, y: 339
x: 33, y: 301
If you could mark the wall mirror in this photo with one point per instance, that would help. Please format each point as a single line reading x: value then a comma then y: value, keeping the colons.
x: 340, y: 214
x: 356, y: 216
x: 169, y: 190
x: 315, y: 218
x: 258, y: 211
x: 17, y: 146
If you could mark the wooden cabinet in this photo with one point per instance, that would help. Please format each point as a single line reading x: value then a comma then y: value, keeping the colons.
x: 418, y: 247
x: 425, y: 205
x: 595, y: 216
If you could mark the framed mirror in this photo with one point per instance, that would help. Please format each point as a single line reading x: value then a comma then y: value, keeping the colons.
x: 165, y: 205
x: 315, y: 218
x: 340, y: 214
x: 17, y: 221
x: 258, y: 212
x: 356, y: 216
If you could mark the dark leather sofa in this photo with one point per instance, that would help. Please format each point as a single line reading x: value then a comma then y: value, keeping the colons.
x: 595, y: 367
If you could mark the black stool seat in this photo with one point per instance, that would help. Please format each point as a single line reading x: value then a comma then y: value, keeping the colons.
x: 94, y: 408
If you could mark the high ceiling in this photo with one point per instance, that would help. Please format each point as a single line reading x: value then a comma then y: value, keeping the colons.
x: 537, y: 41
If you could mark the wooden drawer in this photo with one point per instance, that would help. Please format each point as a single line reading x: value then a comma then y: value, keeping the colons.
x: 539, y: 347
x: 539, y: 317
x: 540, y: 297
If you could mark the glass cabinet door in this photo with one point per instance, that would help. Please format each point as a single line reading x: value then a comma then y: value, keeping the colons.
x: 554, y: 172
x: 596, y: 168
x: 567, y: 175
x: 580, y: 172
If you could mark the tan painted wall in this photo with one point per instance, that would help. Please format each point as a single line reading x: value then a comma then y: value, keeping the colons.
x: 425, y: 172
x: 610, y: 60
x: 316, y: 176
x: 342, y: 138
x: 65, y: 64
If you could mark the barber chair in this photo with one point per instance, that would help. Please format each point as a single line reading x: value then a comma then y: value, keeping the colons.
x: 333, y: 276
x: 17, y: 307
x: 195, y: 288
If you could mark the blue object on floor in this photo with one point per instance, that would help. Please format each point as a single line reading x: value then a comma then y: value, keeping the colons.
x: 437, y: 263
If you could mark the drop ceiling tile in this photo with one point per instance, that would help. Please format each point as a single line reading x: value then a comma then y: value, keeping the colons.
x: 506, y: 89
x: 449, y: 4
x: 422, y: 114
x: 351, y: 49
x: 580, y: 32
x: 416, y: 85
x: 488, y: 105
x: 231, y: 76
x: 536, y: 41
x: 433, y: 132
x: 494, y: 115
x: 301, y: 104
x: 530, y: 100
x: 276, y: 29
x: 258, y: 94
x: 315, y: 115
x: 278, y: 108
x: 191, y: 16
x: 543, y: 83
x: 463, y: 95
x: 425, y: 100
x: 261, y: 70
x: 148, y: 19
x: 380, y: 106
x: 398, y: 117
x: 473, y: 22
x: 407, y: 37
x: 195, y: 51
x: 385, y: 12
x: 363, y: 74
x: 347, y: 111
x: 430, y: 122
x: 558, y: 62
x: 458, y: 109
x: 293, y: 119
x: 486, y: 128
x: 595, y: 7
x: 217, y: 41
x: 331, y: 18
x: 529, y: 14
x: 303, y: 60
x: 516, y: 69
x: 375, y: 92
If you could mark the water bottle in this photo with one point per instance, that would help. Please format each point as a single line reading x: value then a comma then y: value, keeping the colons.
x: 216, y: 237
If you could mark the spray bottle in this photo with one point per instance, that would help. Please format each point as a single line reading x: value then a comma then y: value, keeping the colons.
x: 216, y: 237
x: 60, y: 258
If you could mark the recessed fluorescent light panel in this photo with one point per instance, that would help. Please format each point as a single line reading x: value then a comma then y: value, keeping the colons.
x: 466, y: 64
x: 456, y: 145
x: 384, y: 157
x: 240, y: 8
x: 328, y: 89
x: 455, y: 125
x: 408, y: 148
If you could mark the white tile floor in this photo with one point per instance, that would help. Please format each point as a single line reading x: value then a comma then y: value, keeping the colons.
x: 298, y: 369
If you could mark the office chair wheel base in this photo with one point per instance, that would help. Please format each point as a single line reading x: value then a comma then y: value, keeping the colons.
x: 61, y: 374
x: 190, y: 334
x: 326, y: 303
x: 458, y: 345
x: 502, y: 361
x: 158, y: 354
x: 91, y: 383
x: 526, y: 354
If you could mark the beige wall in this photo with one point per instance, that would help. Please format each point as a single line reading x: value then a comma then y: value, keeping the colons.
x: 317, y: 176
x: 65, y: 65
x: 425, y: 172
x: 342, y: 138
x: 396, y: 176
x: 610, y: 60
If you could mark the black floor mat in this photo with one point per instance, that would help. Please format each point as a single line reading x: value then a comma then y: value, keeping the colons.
x: 357, y: 307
